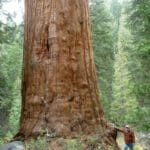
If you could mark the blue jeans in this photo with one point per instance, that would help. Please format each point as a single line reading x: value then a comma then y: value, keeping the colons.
x: 130, y: 146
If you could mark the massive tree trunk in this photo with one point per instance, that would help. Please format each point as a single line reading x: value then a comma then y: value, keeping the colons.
x: 59, y: 87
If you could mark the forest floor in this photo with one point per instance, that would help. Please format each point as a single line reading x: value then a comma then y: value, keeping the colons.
x: 93, y: 142
x: 90, y: 142
x: 82, y: 143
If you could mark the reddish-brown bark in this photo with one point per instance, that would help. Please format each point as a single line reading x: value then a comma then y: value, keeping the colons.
x: 59, y: 86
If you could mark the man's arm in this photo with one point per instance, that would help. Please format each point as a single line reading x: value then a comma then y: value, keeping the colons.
x: 120, y: 130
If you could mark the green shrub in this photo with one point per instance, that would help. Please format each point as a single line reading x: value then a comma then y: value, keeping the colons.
x: 73, y: 144
x: 37, y: 144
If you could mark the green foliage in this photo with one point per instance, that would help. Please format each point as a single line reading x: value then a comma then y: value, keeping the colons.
x: 116, y: 14
x: 6, y: 138
x: 132, y: 76
x: 6, y: 28
x: 14, y: 113
x: 103, y: 50
x: 124, y: 106
x: 94, y: 143
x: 10, y: 100
x: 139, y: 52
x: 139, y: 24
x: 37, y: 144
x: 73, y: 144
x: 10, y: 73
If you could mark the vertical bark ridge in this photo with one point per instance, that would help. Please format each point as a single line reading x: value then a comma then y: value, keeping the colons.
x: 86, y: 57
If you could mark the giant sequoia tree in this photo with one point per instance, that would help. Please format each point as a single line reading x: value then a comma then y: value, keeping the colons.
x: 59, y: 86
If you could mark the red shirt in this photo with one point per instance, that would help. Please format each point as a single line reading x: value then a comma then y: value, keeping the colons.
x: 129, y: 136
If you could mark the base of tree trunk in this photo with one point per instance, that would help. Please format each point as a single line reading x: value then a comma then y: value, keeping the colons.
x: 102, y: 140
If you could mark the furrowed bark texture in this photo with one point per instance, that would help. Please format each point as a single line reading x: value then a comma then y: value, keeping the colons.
x: 59, y: 87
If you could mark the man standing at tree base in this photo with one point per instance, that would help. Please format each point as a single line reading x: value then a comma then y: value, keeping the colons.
x: 129, y: 137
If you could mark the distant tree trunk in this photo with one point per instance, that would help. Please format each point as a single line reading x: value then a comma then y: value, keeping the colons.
x: 59, y: 86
